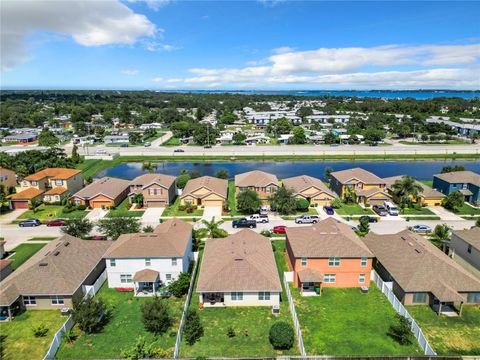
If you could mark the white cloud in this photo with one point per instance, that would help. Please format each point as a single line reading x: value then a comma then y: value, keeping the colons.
x: 130, y: 72
x: 153, y: 4
x: 88, y: 22
x: 159, y: 46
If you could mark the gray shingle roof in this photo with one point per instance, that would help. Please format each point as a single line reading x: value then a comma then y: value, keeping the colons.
x: 255, y: 178
x: 345, y: 176
x: 107, y: 186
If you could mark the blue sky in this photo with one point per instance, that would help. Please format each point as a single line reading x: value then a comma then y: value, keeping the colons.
x: 161, y: 44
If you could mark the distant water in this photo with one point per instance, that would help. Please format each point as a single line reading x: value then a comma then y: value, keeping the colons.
x: 422, y: 170
x: 394, y: 94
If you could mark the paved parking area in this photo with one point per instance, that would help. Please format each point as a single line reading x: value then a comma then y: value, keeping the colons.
x: 151, y: 216
x: 96, y: 214
x: 210, y: 212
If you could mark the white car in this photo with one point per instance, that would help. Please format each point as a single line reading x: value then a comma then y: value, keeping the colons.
x: 421, y: 229
x: 259, y: 218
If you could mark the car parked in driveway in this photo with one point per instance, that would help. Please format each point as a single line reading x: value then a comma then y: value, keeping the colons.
x: 306, y: 219
x: 259, y: 218
x: 57, y: 222
x: 421, y: 229
x: 280, y: 229
x: 29, y: 222
x: 328, y: 210
x: 244, y: 223
x: 380, y: 210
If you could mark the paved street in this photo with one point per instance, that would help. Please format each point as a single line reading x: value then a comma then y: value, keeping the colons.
x: 15, y: 235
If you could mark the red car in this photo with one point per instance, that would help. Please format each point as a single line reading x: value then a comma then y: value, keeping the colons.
x: 57, y: 222
x: 279, y: 229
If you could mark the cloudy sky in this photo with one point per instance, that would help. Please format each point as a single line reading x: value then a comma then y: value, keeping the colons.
x: 175, y: 44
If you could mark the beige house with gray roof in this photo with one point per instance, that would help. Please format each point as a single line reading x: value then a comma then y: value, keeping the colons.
x: 263, y: 183
x: 239, y: 270
x: 311, y: 189
x: 205, y: 191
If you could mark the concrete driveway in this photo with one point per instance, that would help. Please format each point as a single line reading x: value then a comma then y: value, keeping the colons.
x: 210, y: 212
x: 151, y: 216
x: 15, y: 235
x: 13, y: 215
x: 96, y: 214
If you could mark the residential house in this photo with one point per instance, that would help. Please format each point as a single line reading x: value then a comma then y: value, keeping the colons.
x: 311, y: 189
x: 50, y: 185
x: 239, y: 270
x: 5, y: 268
x: 158, y: 190
x: 426, y: 197
x: 466, y: 244
x: 8, y: 178
x: 154, y: 125
x: 105, y: 192
x: 327, y: 254
x: 54, y: 277
x: 467, y: 182
x: 368, y: 188
x: 420, y: 273
x: 205, y: 191
x: 264, y: 184
x: 149, y: 261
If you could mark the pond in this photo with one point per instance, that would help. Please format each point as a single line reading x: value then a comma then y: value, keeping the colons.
x: 422, y: 170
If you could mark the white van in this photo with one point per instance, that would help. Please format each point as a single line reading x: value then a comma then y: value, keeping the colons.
x: 391, y: 208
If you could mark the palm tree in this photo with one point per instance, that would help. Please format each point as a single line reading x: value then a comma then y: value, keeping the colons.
x: 213, y: 228
x: 441, y: 235
x: 407, y: 187
x: 149, y: 166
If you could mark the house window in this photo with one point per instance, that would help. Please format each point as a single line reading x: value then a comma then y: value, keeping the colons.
x: 264, y: 295
x: 148, y: 262
x: 304, y: 261
x: 237, y: 296
x: 363, y: 261
x: 29, y: 300
x: 113, y: 263
x: 469, y: 249
x: 168, y: 277
x: 360, y: 186
x: 329, y: 278
x: 57, y: 300
x: 334, y: 261
x: 465, y: 186
x: 473, y: 297
x: 361, y: 278
x: 125, y: 278
x: 419, y: 298
x: 267, y: 189
x: 174, y: 261
x: 34, y: 183
x: 59, y: 182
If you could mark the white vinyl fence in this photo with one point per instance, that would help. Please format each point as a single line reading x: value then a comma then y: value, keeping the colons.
x: 89, y: 290
x: 294, y: 316
x: 400, y: 309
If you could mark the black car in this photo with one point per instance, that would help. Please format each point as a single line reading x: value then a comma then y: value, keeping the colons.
x: 29, y: 222
x: 207, y: 147
x: 244, y: 223
x: 371, y: 219
x: 380, y: 210
x: 178, y: 150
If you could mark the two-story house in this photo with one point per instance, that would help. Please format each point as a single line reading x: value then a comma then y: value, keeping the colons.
x: 466, y: 244
x: 264, y: 184
x: 158, y: 190
x: 367, y: 187
x: 467, y: 182
x: 311, y: 189
x: 327, y: 254
x: 205, y: 191
x: 148, y: 261
x: 50, y: 185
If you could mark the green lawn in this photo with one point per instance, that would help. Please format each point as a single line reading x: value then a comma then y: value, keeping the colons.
x: 172, y: 210
x: 20, y: 343
x: 279, y: 252
x: 311, y: 211
x: 52, y: 212
x: 173, y: 141
x: 353, y: 209
x: 23, y: 252
x: 450, y: 335
x: 122, y: 330
x: 122, y: 211
x: 42, y: 238
x: 427, y: 182
x: 232, y: 200
x: 419, y: 211
x: 467, y: 210
x: 345, y: 322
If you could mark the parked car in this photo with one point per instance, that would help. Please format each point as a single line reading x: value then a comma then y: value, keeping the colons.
x: 147, y: 144
x: 259, y: 218
x: 124, y: 145
x: 306, y: 219
x: 280, y: 229
x: 99, y: 237
x: 178, y: 150
x: 244, y: 223
x: 421, y: 229
x: 371, y: 219
x: 263, y: 210
x: 207, y: 147
x: 328, y: 210
x: 29, y: 222
x: 56, y: 222
x: 391, y: 208
x: 380, y: 210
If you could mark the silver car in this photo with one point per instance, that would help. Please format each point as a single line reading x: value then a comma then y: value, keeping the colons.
x: 421, y: 229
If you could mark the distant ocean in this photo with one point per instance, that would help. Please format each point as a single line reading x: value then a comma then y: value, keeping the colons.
x: 394, y: 94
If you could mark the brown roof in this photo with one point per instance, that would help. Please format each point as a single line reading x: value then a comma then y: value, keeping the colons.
x: 471, y: 236
x: 8, y: 294
x: 27, y: 194
x: 418, y: 265
x: 255, y: 178
x: 240, y: 262
x: 58, y: 190
x: 427, y: 191
x: 460, y: 177
x: 59, y: 268
x: 54, y: 173
x: 107, y: 186
x: 215, y: 185
x: 4, y: 263
x: 148, y: 179
x: 327, y: 238
x: 366, y: 177
x: 147, y: 275
x: 370, y: 192
x: 310, y: 275
x: 304, y: 182
x: 168, y: 239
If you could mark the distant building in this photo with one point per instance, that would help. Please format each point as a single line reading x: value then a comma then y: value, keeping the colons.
x: 23, y: 138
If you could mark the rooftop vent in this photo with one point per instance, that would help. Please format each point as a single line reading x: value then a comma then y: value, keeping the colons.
x: 66, y: 243
x: 418, y: 251
x: 56, y: 253
x: 43, y: 264
x: 403, y: 238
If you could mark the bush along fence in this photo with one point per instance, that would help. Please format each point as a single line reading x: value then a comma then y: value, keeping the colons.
x: 185, y: 309
x: 401, y: 310
x: 294, y: 316
x: 90, y: 291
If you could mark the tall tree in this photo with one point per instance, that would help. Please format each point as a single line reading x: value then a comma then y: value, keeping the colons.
x: 407, y: 187
x: 222, y: 174
x: 248, y: 201
x: 116, y: 226
x: 47, y: 138
x: 283, y: 201
x: 213, y: 229
x: 77, y: 227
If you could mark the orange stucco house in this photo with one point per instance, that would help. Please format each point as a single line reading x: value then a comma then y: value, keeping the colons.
x: 103, y: 193
x: 327, y: 254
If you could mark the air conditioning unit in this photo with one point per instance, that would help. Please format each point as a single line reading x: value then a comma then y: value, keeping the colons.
x: 275, y: 309
x: 364, y: 289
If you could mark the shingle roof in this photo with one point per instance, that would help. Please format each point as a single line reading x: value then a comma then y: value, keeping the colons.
x: 469, y: 177
x: 471, y: 236
x: 107, y: 186
x: 27, y: 194
x: 370, y: 192
x: 327, y: 238
x: 59, y: 268
x: 418, y: 265
x: 345, y: 176
x: 54, y: 173
x: 8, y: 294
x: 255, y: 178
x: 58, y: 190
x: 304, y: 182
x: 168, y: 239
x: 427, y: 191
x: 148, y: 179
x: 147, y: 275
x: 4, y: 263
x: 240, y: 262
x: 215, y: 185
x: 310, y: 275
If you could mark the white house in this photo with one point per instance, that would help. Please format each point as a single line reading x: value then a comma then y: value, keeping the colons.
x: 148, y: 261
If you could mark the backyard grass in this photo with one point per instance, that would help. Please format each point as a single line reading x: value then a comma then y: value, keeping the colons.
x: 173, y: 141
x: 232, y: 201
x: 345, y: 322
x: 122, y: 329
x: 427, y: 182
x: 415, y: 211
x: 42, y: 238
x: 172, y: 210
x: 23, y: 252
x: 450, y: 335
x: 279, y: 252
x: 467, y: 210
x: 20, y: 343
x: 122, y: 211
x: 353, y: 209
x: 51, y: 212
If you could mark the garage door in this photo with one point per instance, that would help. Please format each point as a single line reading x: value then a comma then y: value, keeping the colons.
x: 376, y: 201
x: 212, y: 202
x: 156, y: 204
x: 322, y: 202
x: 99, y: 204
x: 19, y: 205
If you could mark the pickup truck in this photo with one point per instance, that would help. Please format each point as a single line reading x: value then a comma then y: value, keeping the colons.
x: 306, y: 219
x: 244, y: 223
x: 259, y: 218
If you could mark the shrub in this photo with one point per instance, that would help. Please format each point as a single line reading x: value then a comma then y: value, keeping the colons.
x: 193, y: 329
x: 140, y: 350
x: 266, y: 233
x: 40, y: 330
x: 67, y: 209
x: 182, y: 207
x: 400, y: 331
x: 231, y: 332
x: 156, y: 316
x: 302, y: 205
x: 90, y: 314
x: 81, y: 207
x: 281, y: 335
x: 70, y: 336
x: 180, y: 286
x: 148, y: 229
x: 336, y: 203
